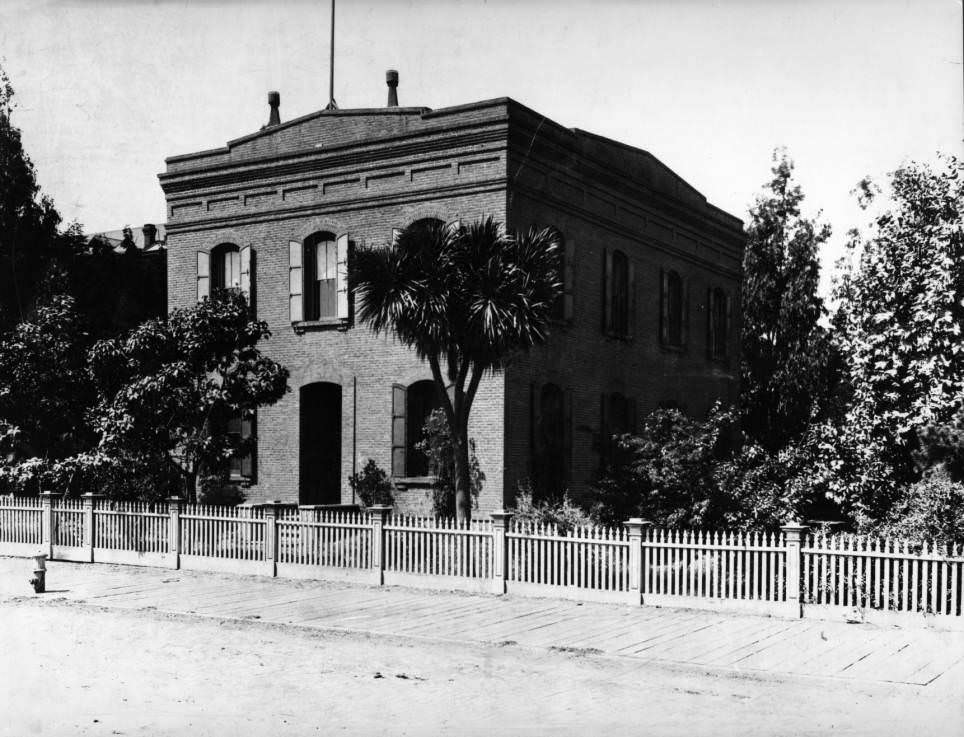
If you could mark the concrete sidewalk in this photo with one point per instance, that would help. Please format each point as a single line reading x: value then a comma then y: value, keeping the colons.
x: 736, y: 643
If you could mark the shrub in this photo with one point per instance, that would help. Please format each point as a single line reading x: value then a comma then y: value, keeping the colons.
x: 931, y: 509
x: 439, y: 449
x: 372, y: 485
x: 564, y: 514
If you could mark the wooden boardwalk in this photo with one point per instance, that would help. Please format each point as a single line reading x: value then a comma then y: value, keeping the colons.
x: 731, y: 642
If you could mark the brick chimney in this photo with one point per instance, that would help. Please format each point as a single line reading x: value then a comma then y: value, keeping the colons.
x: 150, y: 235
x: 391, y: 78
x: 274, y: 101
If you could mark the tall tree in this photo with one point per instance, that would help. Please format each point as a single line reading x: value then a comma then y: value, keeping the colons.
x: 786, y: 354
x: 30, y: 239
x: 466, y: 299
x: 902, y: 317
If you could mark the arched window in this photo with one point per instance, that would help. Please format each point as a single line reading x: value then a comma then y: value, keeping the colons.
x: 550, y: 447
x: 618, y: 295
x: 321, y: 275
x: 718, y: 308
x: 673, y: 309
x: 226, y: 267
x: 422, y: 399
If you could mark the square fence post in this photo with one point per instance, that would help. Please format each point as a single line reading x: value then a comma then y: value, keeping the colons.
x: 377, y: 516
x: 174, y: 530
x: 794, y: 533
x: 90, y: 502
x: 500, y: 550
x: 636, y: 527
x: 47, y: 523
x: 271, y: 536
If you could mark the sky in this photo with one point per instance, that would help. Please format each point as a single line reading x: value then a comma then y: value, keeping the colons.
x: 106, y: 90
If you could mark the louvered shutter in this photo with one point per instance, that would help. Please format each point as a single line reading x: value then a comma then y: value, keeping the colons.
x: 296, y: 303
x: 664, y: 306
x: 685, y: 313
x: 399, y: 397
x: 727, y: 327
x: 341, y: 277
x: 568, y: 281
x: 603, y: 431
x: 203, y: 275
x: 607, y: 291
x: 631, y: 302
x: 535, y: 444
x: 710, y: 323
x: 249, y: 460
x: 247, y: 275
x: 567, y: 434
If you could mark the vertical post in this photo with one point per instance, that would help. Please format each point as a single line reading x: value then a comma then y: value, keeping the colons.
x: 271, y: 537
x: 636, y: 527
x: 90, y: 500
x: 174, y: 531
x: 377, y: 515
x: 794, y: 533
x: 47, y: 523
x: 500, y: 550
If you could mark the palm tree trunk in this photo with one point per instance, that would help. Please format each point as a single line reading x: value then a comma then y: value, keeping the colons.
x: 463, y: 491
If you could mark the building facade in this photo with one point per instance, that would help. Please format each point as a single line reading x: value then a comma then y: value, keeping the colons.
x: 649, y: 315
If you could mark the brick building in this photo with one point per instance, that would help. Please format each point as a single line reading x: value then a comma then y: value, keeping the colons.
x: 649, y: 315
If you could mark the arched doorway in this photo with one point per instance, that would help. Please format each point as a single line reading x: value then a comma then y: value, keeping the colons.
x: 320, y: 443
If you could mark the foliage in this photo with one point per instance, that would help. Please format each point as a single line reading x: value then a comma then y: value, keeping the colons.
x: 787, y: 364
x: 900, y: 324
x: 44, y: 387
x: 564, y: 514
x: 466, y: 299
x: 667, y: 474
x: 439, y: 447
x: 372, y: 485
x: 930, y: 509
x: 30, y: 240
x: 167, y: 388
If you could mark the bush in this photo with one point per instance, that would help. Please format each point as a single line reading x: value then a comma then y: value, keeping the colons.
x: 931, y: 509
x: 437, y: 446
x: 372, y: 486
x: 564, y: 514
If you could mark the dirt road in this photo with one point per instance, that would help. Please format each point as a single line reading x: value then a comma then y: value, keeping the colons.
x: 75, y: 669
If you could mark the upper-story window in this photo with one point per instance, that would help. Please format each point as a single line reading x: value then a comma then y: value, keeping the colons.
x: 321, y: 276
x: 618, y: 302
x: 318, y: 278
x: 673, y: 310
x: 226, y: 267
x: 718, y: 323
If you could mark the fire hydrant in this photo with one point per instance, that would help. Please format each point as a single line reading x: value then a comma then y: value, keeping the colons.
x: 39, y: 580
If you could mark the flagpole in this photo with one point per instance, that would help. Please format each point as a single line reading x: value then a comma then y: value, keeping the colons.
x: 332, y: 105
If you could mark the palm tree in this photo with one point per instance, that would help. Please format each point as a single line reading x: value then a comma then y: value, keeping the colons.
x: 466, y: 298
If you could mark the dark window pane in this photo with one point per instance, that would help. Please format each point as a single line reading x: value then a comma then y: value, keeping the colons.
x: 422, y: 399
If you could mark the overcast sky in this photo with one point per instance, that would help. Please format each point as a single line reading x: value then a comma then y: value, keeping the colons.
x: 106, y: 90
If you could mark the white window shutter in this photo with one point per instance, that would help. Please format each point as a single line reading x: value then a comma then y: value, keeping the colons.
x: 246, y: 273
x: 341, y: 277
x: 396, y: 232
x: 296, y: 305
x: 203, y: 275
x: 568, y: 280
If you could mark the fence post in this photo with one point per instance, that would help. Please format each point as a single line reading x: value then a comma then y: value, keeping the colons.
x: 174, y: 530
x: 47, y: 523
x: 636, y: 527
x: 271, y: 536
x: 500, y: 550
x: 377, y: 515
x: 794, y: 532
x: 90, y: 500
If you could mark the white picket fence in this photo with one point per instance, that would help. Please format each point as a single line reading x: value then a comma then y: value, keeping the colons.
x: 789, y: 573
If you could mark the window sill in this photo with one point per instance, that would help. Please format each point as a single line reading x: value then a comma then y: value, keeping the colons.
x: 325, y: 323
x: 404, y: 482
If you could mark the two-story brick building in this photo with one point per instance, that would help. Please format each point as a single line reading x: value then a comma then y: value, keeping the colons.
x: 649, y: 315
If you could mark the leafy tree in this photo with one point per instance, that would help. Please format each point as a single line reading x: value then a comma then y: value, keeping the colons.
x: 30, y: 240
x: 45, y: 390
x: 465, y: 299
x: 901, y: 316
x: 787, y: 364
x: 440, y: 451
x: 167, y: 388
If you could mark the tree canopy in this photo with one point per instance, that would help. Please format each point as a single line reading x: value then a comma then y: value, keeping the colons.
x: 465, y: 298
